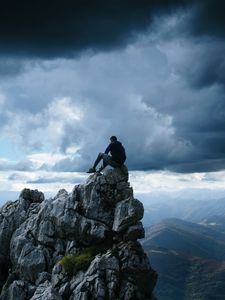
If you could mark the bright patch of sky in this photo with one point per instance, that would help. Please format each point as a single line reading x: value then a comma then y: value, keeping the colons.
x: 9, y: 150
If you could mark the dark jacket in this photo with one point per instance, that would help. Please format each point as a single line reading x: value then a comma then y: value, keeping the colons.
x: 117, y: 152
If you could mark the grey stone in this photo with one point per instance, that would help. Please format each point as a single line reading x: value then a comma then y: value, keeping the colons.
x: 45, y: 291
x: 31, y: 262
x: 30, y: 290
x: 57, y: 269
x: 42, y: 277
x: 12, y: 215
x: 128, y: 212
x: 16, y: 291
x: 136, y: 268
x: 71, y: 247
x: 134, y: 232
x: 64, y: 291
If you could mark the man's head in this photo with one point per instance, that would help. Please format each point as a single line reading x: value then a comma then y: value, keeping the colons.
x: 113, y: 138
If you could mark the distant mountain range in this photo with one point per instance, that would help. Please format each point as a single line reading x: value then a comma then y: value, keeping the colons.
x: 216, y: 222
x: 187, y: 209
x: 189, y: 259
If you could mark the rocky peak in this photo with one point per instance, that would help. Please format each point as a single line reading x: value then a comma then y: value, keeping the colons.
x: 78, y: 245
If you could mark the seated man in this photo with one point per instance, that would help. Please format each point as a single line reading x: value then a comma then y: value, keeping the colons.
x: 117, y: 158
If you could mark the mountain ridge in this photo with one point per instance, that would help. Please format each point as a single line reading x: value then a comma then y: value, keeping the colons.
x: 190, y: 260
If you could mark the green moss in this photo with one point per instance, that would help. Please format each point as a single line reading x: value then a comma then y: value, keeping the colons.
x: 73, y: 263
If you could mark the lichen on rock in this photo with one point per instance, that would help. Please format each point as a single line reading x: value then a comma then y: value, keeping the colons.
x: 96, y: 227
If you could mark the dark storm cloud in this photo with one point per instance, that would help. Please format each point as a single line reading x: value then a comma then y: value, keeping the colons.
x: 204, y: 25
x: 199, y: 118
x: 202, y: 165
x: 208, y: 65
x: 56, y: 28
x: 208, y: 18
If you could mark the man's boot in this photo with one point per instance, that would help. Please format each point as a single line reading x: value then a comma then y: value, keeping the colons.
x: 91, y: 170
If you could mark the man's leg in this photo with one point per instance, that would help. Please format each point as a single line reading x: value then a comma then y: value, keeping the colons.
x: 98, y: 159
x: 104, y: 161
x: 107, y: 160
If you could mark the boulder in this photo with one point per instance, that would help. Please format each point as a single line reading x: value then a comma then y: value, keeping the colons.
x: 127, y: 212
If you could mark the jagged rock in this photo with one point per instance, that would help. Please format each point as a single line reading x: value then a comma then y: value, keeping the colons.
x: 71, y: 247
x: 36, y: 233
x: 12, y: 215
x: 45, y: 291
x: 134, y: 232
x: 15, y: 291
x: 31, y: 262
x: 32, y: 195
x: 100, y: 196
x: 64, y: 291
x: 136, y: 268
x: 4, y: 266
x: 42, y: 277
x: 99, y: 280
x: 128, y: 212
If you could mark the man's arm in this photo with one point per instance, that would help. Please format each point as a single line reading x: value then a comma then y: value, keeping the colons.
x: 108, y: 149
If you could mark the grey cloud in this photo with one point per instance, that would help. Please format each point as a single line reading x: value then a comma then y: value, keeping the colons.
x: 203, y: 165
x: 212, y: 69
x: 183, y: 179
x: 17, y: 176
x: 11, y: 67
x: 205, y: 64
x: 45, y: 180
x: 4, y: 166
x: 195, y: 98
x: 23, y: 165
x: 203, y: 59
x: 71, y: 165
x: 212, y: 177
x: 198, y: 117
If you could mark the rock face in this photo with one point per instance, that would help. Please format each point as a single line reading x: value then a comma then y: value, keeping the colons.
x: 36, y: 234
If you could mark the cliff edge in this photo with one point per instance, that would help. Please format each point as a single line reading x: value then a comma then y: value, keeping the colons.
x: 76, y: 246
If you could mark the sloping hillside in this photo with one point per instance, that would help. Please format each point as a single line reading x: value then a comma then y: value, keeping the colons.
x: 189, y: 259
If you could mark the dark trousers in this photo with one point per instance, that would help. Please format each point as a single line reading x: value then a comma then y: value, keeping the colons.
x: 107, y: 160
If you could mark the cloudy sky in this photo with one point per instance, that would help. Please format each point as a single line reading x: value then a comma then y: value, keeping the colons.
x: 73, y: 73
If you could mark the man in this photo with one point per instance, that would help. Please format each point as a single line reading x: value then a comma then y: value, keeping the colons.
x: 117, y: 158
